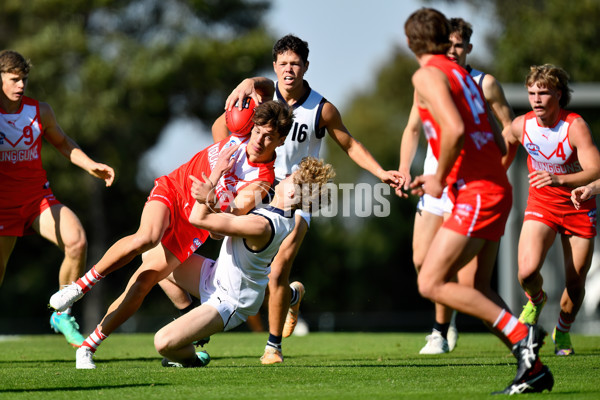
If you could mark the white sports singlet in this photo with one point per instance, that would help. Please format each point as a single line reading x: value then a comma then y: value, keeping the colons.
x: 235, y: 284
x: 305, y: 136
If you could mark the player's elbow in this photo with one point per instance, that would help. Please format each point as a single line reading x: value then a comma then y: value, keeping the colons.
x: 195, y: 220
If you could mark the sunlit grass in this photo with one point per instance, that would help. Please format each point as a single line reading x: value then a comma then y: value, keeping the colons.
x: 317, y: 366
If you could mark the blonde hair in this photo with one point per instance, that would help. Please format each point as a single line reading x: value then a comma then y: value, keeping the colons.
x: 312, y: 176
x: 550, y: 77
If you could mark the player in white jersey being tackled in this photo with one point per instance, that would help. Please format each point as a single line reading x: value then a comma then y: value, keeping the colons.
x: 232, y: 288
x: 561, y: 156
x: 27, y: 203
x: 165, y: 236
x: 314, y: 116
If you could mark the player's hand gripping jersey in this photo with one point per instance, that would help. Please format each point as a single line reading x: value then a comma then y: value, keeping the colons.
x: 174, y: 190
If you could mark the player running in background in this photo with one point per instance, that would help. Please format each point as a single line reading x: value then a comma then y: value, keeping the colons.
x: 313, y: 117
x: 469, y: 154
x: 431, y: 211
x: 232, y: 288
x: 165, y: 236
x: 27, y: 204
x: 561, y: 157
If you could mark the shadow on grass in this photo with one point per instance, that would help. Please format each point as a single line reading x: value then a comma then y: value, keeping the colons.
x: 82, y: 388
x: 72, y: 361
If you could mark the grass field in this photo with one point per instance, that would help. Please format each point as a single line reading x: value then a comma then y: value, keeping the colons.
x: 317, y: 366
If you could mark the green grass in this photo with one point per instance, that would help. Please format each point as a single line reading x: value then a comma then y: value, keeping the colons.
x: 317, y: 366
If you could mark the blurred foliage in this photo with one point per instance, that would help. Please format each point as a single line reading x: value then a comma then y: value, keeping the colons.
x: 378, y: 255
x: 115, y: 73
x: 363, y: 260
x: 533, y: 32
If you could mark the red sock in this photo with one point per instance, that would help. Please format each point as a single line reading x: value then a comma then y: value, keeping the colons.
x: 510, y: 326
x: 564, y: 322
x: 95, y: 339
x: 88, y: 281
x: 537, y: 298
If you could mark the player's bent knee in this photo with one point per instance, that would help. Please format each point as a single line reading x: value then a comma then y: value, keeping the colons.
x: 76, y: 248
x: 161, y: 342
x: 426, y: 288
x: 142, y: 286
x: 143, y: 242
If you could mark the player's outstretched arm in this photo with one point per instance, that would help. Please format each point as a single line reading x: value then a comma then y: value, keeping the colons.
x: 332, y: 121
x: 408, y: 150
x: 70, y: 149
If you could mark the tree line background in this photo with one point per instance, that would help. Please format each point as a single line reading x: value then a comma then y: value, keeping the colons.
x: 117, y: 72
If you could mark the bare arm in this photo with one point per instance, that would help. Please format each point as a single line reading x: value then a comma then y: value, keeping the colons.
x: 512, y: 136
x: 259, y: 88
x: 247, y: 226
x: 494, y: 95
x: 71, y: 150
x: 249, y: 197
x: 408, y: 148
x: 332, y: 120
x: 219, y: 129
x: 583, y: 193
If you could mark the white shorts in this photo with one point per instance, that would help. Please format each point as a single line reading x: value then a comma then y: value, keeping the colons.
x: 434, y: 205
x: 231, y: 315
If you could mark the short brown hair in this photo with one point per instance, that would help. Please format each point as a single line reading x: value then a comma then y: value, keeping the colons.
x: 14, y: 63
x: 276, y: 114
x: 551, y: 77
x: 462, y: 27
x: 428, y: 32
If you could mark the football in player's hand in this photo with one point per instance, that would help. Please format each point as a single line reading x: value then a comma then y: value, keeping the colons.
x: 239, y: 122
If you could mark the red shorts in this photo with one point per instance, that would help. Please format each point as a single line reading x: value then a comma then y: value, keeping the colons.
x: 479, y: 213
x: 16, y: 219
x: 565, y: 220
x: 181, y: 238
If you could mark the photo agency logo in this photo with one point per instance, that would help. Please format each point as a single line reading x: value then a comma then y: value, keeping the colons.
x: 330, y: 200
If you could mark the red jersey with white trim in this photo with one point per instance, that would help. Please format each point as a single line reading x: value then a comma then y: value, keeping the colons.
x: 480, y: 158
x: 243, y: 173
x: 549, y: 149
x: 21, y: 171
